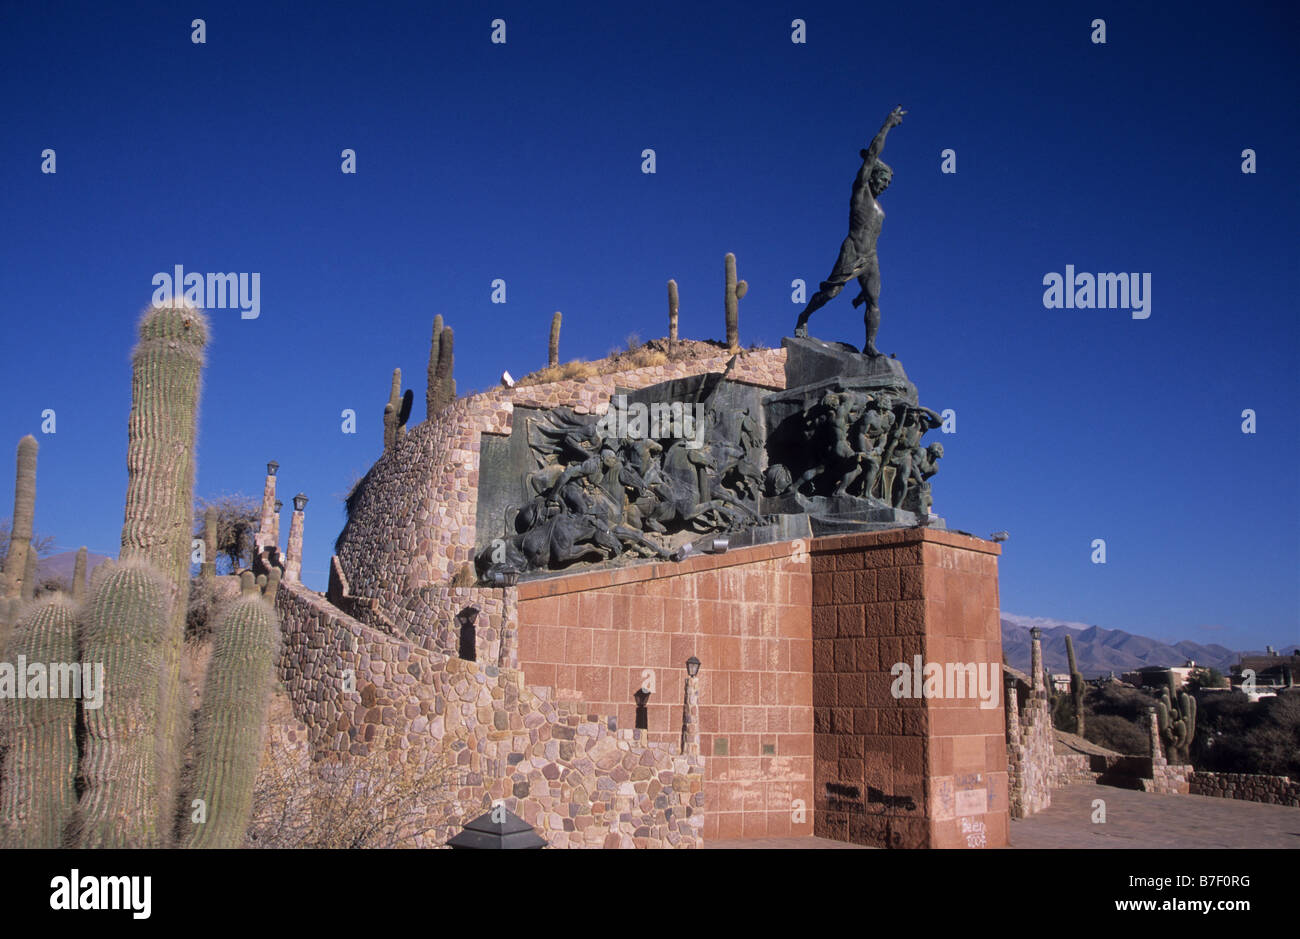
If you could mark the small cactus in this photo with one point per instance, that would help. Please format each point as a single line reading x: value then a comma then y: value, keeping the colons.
x: 38, y: 796
x: 1176, y: 713
x: 123, y: 626
x: 20, y: 533
x: 431, y: 376
x: 553, y: 352
x: 236, y: 694
x: 1076, y: 687
x: 735, y: 290
x: 79, y: 576
x: 672, y: 311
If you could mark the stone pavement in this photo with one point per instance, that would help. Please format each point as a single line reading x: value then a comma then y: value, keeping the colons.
x: 1133, y: 820
x: 1148, y: 820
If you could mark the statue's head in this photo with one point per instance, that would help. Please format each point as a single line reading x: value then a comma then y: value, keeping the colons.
x: 881, y: 176
x: 936, y: 450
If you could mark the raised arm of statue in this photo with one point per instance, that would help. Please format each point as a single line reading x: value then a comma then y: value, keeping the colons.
x: 895, y: 118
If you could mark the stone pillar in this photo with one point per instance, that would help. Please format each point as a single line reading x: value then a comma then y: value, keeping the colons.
x: 1013, y: 713
x: 691, y: 716
x: 263, y: 538
x: 1036, y: 663
x: 293, y: 555
x: 275, y: 524
x: 906, y: 753
x: 1157, y: 749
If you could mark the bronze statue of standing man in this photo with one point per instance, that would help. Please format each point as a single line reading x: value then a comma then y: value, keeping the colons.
x: 858, y: 252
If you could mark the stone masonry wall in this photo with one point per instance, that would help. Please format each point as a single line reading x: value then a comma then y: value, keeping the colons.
x: 745, y: 615
x: 1250, y: 787
x: 1033, y: 765
x: 567, y: 773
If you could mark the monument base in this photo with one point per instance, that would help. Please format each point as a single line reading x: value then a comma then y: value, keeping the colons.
x: 909, y: 730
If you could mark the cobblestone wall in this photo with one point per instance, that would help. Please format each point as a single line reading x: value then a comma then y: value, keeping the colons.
x: 1249, y: 787
x: 1032, y: 764
x: 574, y: 776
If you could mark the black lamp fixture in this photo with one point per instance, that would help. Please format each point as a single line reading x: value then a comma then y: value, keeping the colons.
x: 692, y: 666
x: 278, y: 505
x: 272, y: 468
x: 299, y: 502
x: 1035, y: 633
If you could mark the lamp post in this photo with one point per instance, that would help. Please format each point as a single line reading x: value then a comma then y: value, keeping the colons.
x: 691, y: 709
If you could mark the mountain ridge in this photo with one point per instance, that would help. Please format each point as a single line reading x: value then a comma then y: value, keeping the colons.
x: 1099, y: 651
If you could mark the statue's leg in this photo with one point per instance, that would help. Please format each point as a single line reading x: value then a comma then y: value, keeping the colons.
x: 845, y: 267
x: 870, y: 281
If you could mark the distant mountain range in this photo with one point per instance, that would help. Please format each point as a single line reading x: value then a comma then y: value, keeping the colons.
x: 61, y: 565
x: 1101, y: 651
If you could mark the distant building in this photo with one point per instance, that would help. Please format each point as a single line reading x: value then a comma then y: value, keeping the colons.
x: 1271, y: 670
x: 1157, y: 676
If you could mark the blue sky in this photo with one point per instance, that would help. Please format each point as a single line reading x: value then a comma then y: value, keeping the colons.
x: 522, y: 161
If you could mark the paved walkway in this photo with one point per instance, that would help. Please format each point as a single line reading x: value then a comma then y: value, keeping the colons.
x: 1133, y: 820
x: 1146, y: 820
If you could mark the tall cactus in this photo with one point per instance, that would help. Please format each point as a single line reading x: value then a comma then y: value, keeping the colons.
x: 1076, y: 686
x: 128, y: 765
x: 159, y: 522
x: 28, y: 590
x: 431, y: 377
x: 20, y: 534
x: 391, y: 429
x: 444, y: 372
x: 1176, y: 713
x: 553, y: 351
x: 735, y: 290
x: 672, y: 311
x: 79, y: 576
x: 124, y: 626
x: 236, y: 695
x: 38, y: 795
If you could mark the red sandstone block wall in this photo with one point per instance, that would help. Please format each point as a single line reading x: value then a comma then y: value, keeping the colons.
x: 905, y: 772
x: 746, y: 616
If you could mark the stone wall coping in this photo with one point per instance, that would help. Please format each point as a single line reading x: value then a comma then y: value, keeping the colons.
x: 895, y: 536
x: 559, y: 584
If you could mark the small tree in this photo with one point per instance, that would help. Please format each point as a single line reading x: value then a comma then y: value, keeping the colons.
x: 1206, y: 678
x: 41, y: 544
x: 237, y: 519
x: 355, y: 802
